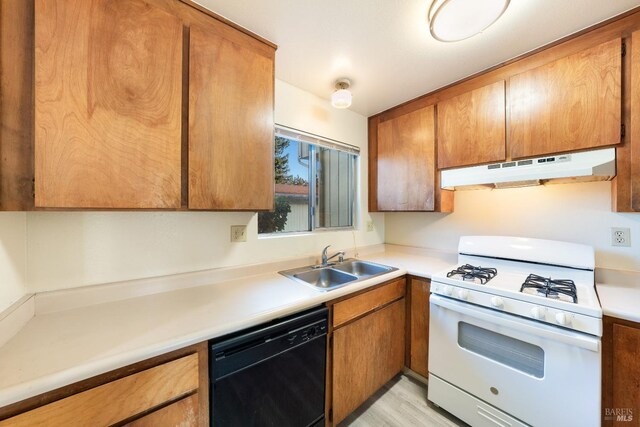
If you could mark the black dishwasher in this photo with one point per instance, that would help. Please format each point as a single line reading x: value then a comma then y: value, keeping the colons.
x: 271, y: 375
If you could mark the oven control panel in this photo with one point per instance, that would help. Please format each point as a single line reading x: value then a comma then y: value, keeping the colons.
x: 540, y: 313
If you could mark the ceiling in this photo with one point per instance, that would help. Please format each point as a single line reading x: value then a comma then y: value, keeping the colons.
x: 385, y: 48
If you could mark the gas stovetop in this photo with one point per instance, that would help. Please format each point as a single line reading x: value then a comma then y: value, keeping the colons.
x: 472, y: 273
x: 562, y: 289
x: 559, y: 294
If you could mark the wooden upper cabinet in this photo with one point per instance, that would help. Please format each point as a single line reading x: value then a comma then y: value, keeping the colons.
x: 108, y: 95
x: 231, y: 95
x: 632, y: 154
x: 406, y: 162
x: 471, y: 127
x: 573, y: 103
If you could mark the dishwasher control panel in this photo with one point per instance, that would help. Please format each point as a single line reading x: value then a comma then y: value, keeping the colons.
x: 302, y: 335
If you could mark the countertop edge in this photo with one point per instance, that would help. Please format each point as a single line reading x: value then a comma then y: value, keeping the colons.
x: 56, y: 380
x: 409, y: 261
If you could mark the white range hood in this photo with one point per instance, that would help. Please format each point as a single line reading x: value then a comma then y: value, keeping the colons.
x: 596, y: 165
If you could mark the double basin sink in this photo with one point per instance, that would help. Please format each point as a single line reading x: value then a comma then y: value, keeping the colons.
x: 332, y: 276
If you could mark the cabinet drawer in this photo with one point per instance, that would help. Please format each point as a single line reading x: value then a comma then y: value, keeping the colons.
x: 357, y: 306
x: 118, y: 400
x: 183, y: 413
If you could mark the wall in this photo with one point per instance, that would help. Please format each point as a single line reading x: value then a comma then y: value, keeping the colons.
x: 13, y: 257
x: 578, y: 213
x: 70, y: 249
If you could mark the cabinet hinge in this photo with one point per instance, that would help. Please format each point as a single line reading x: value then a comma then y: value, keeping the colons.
x: 33, y: 188
x: 624, y: 48
x: 622, y: 130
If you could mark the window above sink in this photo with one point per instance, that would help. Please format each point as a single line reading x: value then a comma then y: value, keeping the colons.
x: 315, y: 184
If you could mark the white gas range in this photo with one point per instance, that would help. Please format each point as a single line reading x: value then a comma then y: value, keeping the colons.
x: 517, y: 321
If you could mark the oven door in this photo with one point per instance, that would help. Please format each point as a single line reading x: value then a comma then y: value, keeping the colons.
x: 540, y: 374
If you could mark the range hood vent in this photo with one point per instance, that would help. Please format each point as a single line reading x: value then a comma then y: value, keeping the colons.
x: 596, y: 165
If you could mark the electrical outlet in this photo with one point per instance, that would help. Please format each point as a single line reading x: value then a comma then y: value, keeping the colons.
x: 620, y: 236
x: 238, y: 233
x: 369, y: 225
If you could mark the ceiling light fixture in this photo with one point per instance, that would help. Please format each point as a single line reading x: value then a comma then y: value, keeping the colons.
x: 455, y: 20
x: 341, y: 98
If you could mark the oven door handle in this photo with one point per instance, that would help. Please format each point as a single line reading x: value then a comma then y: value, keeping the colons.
x: 577, y: 339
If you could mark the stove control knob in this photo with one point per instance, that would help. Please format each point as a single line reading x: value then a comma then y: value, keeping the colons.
x: 563, y: 319
x: 538, y: 313
x: 448, y: 290
x: 497, y: 302
x: 463, y: 293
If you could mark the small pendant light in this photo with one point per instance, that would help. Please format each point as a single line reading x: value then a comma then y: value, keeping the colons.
x: 341, y: 98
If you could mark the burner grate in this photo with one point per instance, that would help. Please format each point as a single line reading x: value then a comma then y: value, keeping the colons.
x: 471, y: 272
x: 550, y: 288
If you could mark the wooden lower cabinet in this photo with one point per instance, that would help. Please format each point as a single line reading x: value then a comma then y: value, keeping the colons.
x: 182, y: 413
x: 168, y: 390
x: 620, y: 373
x: 418, y: 324
x: 366, y: 354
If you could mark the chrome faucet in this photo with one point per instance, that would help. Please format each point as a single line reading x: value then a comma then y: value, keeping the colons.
x: 325, y: 258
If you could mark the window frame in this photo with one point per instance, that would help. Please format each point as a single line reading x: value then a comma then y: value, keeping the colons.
x: 315, y: 141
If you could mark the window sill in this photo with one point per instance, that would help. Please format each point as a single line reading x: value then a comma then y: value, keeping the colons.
x: 303, y: 233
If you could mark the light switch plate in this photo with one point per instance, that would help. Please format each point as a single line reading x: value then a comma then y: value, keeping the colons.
x: 238, y: 233
x: 620, y: 236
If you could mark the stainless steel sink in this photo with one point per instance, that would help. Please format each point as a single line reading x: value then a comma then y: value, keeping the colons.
x: 332, y: 276
x: 325, y: 278
x: 362, y: 268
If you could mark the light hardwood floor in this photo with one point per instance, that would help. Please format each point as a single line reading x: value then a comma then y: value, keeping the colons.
x: 401, y: 402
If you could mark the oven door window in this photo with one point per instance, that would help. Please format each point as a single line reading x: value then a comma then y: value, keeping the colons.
x: 519, y: 355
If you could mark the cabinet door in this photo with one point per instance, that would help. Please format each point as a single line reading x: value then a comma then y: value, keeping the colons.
x: 366, y: 354
x: 406, y: 162
x: 419, y: 326
x: 230, y: 121
x: 108, y: 94
x: 471, y: 127
x: 570, y: 104
x: 633, y: 139
x: 626, y: 371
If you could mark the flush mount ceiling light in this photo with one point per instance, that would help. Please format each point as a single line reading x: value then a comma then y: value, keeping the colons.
x: 341, y: 98
x: 454, y: 20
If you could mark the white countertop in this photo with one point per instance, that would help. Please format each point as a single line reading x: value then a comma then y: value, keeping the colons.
x: 58, y: 348
x: 619, y: 293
